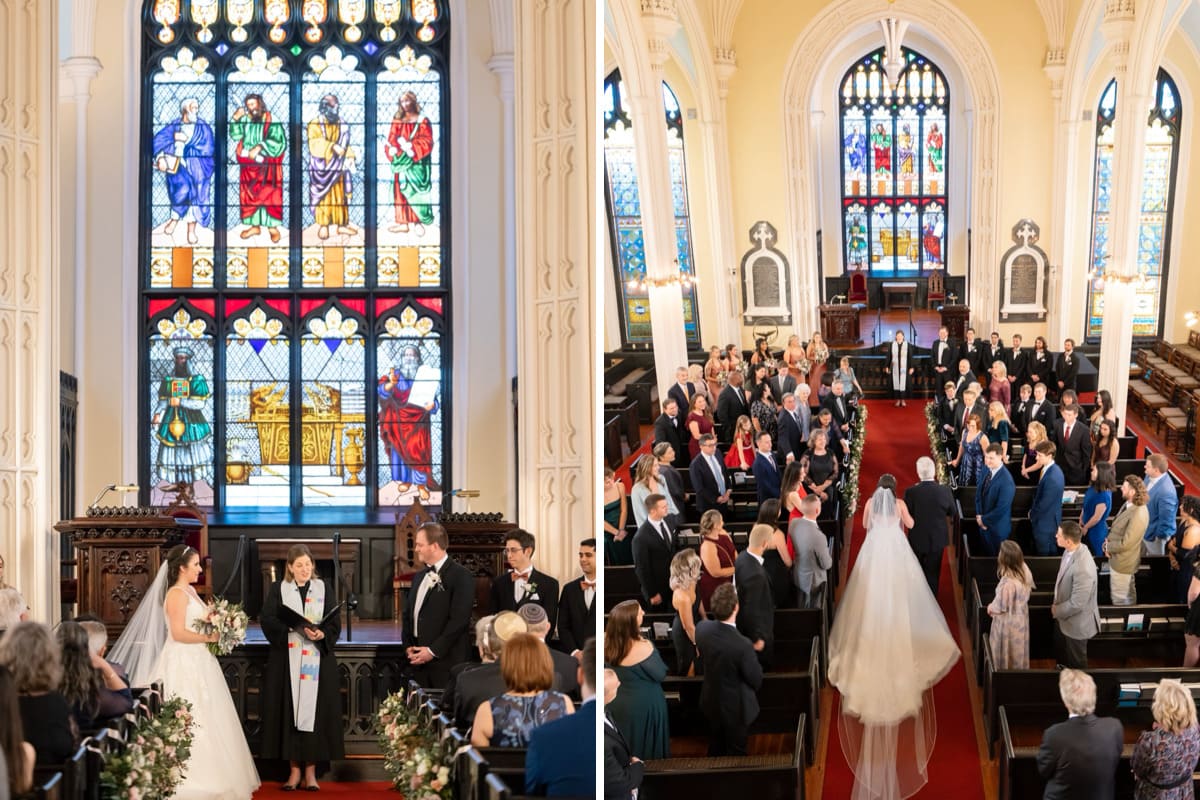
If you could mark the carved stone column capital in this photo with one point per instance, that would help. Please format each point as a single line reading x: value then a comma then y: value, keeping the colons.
x: 724, y: 65
x: 661, y: 20
x: 75, y: 77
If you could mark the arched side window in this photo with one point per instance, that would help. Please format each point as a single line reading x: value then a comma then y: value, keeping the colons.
x: 894, y: 170
x: 293, y: 246
x: 1154, y: 212
x: 625, y: 215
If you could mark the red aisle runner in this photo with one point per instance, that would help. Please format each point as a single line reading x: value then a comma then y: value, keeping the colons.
x: 270, y: 790
x: 896, y: 437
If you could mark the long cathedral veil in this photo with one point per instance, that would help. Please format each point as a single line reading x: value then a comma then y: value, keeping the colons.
x: 141, y: 643
x: 890, y: 644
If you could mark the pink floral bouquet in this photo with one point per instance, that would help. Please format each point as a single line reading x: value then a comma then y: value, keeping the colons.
x: 229, y: 620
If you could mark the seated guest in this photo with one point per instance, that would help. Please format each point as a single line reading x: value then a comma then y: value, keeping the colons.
x: 1165, y: 756
x: 819, y: 466
x: 528, y: 701
x: 622, y: 769
x: 708, y: 477
x: 18, y: 754
x: 98, y: 641
x: 486, y: 656
x: 1009, y: 609
x: 732, y: 677
x: 13, y: 608
x: 639, y: 709
x: 717, y: 555
x: 1079, y: 757
x: 90, y: 685
x: 524, y: 584
x: 836, y: 441
x: 1046, y: 512
x: 685, y: 574
x: 766, y: 470
x: 561, y: 761
x: 653, y: 547
x: 812, y: 558
x: 478, y: 683
x: 566, y: 678
x: 32, y: 657
x: 1124, y: 543
x: 757, y: 617
x: 577, y: 606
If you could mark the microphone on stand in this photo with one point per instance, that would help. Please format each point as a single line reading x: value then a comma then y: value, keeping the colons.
x: 113, y: 487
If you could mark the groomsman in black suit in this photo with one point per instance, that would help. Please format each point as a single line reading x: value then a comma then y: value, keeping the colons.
x: 524, y: 584
x: 669, y: 428
x: 1017, y: 362
x: 577, y: 606
x: 945, y: 410
x: 941, y: 356
x: 993, y: 351
x: 682, y: 390
x: 653, y: 549
x: 622, y: 769
x: 731, y: 404
x: 1020, y: 410
x: 964, y: 377
x: 437, y: 613
x: 732, y: 676
x: 1066, y: 371
x: 972, y: 350
x: 1041, y: 409
x: 756, y: 615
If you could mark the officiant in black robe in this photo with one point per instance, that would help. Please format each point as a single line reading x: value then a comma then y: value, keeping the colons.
x: 311, y: 736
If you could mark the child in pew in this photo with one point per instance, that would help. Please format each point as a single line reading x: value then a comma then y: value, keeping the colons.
x: 1164, y: 757
x: 1009, y: 610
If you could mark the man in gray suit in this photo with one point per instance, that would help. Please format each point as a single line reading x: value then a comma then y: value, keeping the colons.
x: 1075, y: 611
x: 812, y: 559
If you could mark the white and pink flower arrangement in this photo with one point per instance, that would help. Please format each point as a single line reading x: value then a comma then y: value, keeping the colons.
x: 155, y: 757
x: 413, y: 756
x: 229, y: 620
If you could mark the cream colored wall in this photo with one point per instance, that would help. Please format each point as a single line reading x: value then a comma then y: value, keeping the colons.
x: 481, y: 320
x: 1017, y: 41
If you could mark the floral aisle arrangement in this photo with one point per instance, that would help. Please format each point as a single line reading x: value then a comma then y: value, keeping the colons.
x: 936, y: 450
x: 155, y: 758
x: 850, y: 484
x: 229, y: 620
x: 412, y: 754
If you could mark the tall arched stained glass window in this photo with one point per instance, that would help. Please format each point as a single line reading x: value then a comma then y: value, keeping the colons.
x: 295, y: 273
x: 625, y: 214
x: 1154, y: 213
x: 894, y: 168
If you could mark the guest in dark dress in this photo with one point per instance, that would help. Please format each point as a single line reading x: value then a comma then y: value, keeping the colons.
x: 1034, y: 434
x: 1191, y: 631
x: 685, y: 574
x: 1164, y: 757
x: 998, y: 430
x: 777, y: 561
x: 302, y: 719
x: 819, y: 466
x: 528, y: 703
x: 764, y: 414
x: 717, y: 555
x: 639, y: 710
x: 1105, y: 447
x: 618, y: 542
x: 699, y: 422
x: 970, y: 452
x: 1183, y: 549
x: 30, y: 653
x: 90, y: 685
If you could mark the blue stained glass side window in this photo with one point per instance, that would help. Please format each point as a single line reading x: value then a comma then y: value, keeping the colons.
x: 625, y: 214
x: 1154, y: 224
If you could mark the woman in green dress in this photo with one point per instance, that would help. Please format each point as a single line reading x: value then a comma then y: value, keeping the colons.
x: 639, y: 709
x: 618, y: 542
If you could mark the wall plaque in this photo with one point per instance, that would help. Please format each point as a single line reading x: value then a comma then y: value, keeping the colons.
x: 765, y: 279
x: 1024, y: 274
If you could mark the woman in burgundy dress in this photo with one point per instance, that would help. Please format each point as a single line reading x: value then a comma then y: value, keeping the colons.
x: 717, y: 555
x: 699, y: 422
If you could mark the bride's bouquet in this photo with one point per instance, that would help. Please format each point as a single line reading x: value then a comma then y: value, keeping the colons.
x: 227, y: 619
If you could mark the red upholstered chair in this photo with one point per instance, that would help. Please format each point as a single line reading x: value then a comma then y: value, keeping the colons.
x: 184, y: 507
x: 937, y: 287
x: 858, y: 288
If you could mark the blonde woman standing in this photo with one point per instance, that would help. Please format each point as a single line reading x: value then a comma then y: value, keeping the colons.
x: 1165, y: 755
x: 685, y: 574
x: 1009, y: 610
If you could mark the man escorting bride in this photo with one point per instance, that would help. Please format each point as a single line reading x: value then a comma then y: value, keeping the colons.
x: 161, y: 643
x: 890, y: 644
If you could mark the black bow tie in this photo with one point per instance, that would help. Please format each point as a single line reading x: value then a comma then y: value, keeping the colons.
x: 431, y: 569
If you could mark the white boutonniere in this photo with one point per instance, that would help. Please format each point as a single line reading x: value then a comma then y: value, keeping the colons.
x: 531, y: 591
x: 435, y: 581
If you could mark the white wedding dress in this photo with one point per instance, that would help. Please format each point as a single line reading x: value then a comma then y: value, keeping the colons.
x: 890, y: 644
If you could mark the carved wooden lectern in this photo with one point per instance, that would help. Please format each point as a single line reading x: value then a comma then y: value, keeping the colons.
x: 839, y: 324
x: 956, y: 318
x: 119, y: 551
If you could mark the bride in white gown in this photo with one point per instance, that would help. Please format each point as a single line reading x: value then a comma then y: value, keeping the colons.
x: 160, y: 643
x: 890, y: 644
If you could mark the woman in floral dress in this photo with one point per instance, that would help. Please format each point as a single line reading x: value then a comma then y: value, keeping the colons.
x: 1010, y: 609
x: 1164, y: 756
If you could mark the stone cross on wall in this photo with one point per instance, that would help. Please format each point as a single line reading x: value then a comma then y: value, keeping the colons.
x: 764, y: 234
x: 1026, y: 233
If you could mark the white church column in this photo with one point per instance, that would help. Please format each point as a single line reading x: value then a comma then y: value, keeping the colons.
x: 556, y: 214
x: 29, y: 358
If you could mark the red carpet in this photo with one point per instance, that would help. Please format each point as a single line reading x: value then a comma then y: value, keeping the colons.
x: 366, y: 789
x: 896, y: 438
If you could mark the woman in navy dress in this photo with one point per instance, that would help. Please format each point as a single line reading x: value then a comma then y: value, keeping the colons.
x: 507, y: 720
x: 639, y: 710
x: 970, y: 452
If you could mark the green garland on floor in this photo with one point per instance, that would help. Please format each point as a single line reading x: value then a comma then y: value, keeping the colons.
x: 850, y: 484
x: 935, y: 444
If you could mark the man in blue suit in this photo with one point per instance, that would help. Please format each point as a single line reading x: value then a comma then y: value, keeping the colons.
x: 766, y: 471
x: 561, y: 761
x: 1046, y: 513
x: 993, y: 501
x: 1163, y: 504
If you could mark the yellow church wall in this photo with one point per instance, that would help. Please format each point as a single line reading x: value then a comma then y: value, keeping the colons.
x: 481, y: 337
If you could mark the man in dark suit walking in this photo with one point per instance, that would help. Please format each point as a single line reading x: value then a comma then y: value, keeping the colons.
x: 524, y: 584
x: 708, y: 478
x: 993, y: 500
x: 1079, y: 757
x: 561, y: 760
x: 1046, y: 512
x: 669, y: 428
x: 682, y: 390
x: 577, y: 606
x: 732, y: 676
x: 437, y: 613
x: 731, y: 404
x: 1066, y: 371
x: 622, y: 769
x: 653, y: 549
x: 756, y: 618
x: 931, y: 505
x: 1074, y: 448
x: 766, y: 470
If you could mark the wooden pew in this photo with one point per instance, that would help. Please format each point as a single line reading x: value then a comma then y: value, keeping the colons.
x: 506, y: 763
x: 495, y: 788
x: 773, y: 777
x: 49, y: 788
x: 471, y: 770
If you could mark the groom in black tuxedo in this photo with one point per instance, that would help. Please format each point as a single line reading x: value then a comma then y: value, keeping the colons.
x: 931, y: 504
x: 437, y: 613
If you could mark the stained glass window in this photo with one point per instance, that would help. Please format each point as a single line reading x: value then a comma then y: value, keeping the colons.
x: 1154, y: 213
x: 625, y: 214
x: 893, y: 156
x: 294, y: 286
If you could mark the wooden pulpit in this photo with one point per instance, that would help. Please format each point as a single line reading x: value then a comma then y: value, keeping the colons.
x: 118, y: 551
x: 839, y: 324
x: 956, y: 318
